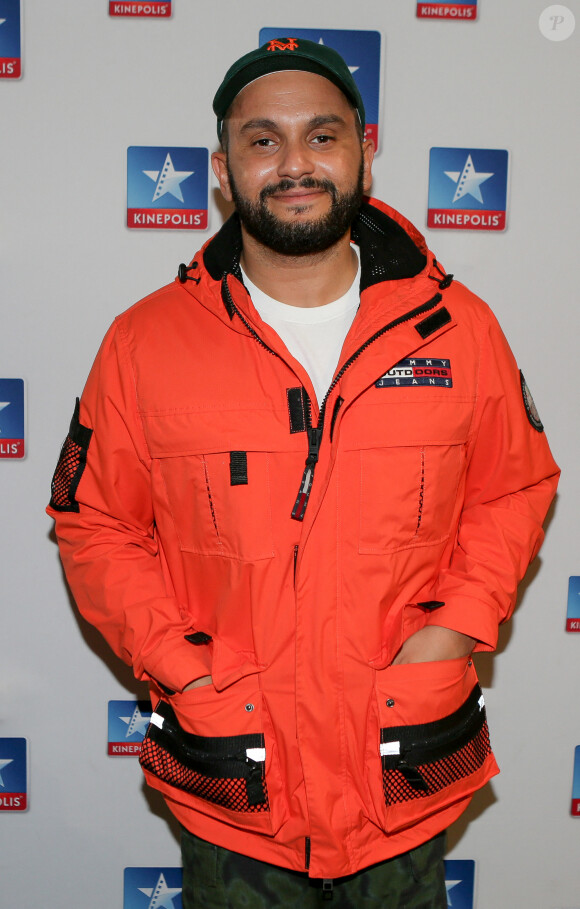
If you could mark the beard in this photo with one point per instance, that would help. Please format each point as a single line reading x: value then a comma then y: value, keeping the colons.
x: 299, y: 238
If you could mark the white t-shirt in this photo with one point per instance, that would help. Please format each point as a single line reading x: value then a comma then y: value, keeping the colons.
x: 313, y: 335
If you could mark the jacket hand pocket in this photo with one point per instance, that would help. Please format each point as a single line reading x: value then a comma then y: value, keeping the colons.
x: 427, y: 766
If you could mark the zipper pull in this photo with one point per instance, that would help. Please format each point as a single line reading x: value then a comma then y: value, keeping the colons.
x: 413, y: 776
x: 314, y: 440
x: 254, y: 783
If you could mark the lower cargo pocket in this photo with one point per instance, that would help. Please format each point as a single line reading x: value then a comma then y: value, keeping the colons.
x: 420, y: 761
x: 226, y: 771
x: 429, y: 766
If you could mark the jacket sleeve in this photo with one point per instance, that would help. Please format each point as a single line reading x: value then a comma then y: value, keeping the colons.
x: 511, y: 481
x: 102, y: 506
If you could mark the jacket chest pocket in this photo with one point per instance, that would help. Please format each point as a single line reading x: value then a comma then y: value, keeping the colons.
x: 220, y: 503
x: 408, y: 495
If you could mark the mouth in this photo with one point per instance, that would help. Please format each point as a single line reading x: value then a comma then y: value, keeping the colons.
x: 298, y: 197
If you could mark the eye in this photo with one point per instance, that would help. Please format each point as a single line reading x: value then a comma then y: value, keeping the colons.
x: 322, y: 139
x: 263, y: 142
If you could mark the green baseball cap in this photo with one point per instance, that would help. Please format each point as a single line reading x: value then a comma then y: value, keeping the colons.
x: 286, y: 54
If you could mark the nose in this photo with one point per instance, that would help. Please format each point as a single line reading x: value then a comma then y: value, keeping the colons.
x: 296, y: 160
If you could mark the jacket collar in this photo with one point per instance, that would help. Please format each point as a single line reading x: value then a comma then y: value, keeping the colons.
x: 390, y: 248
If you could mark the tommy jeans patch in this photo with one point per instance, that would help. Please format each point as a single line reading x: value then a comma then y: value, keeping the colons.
x: 418, y: 371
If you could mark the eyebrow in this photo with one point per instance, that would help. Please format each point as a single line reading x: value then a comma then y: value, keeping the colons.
x: 314, y: 123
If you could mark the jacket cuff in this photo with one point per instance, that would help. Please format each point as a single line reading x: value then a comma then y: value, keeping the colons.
x: 183, y: 665
x: 475, y: 618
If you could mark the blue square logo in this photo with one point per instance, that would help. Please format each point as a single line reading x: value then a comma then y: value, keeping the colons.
x: 576, y: 783
x: 128, y: 721
x: 153, y: 9
x: 468, y: 188
x: 573, y: 614
x: 362, y: 52
x: 167, y: 188
x: 152, y: 888
x: 12, y: 418
x: 10, y: 55
x: 460, y: 10
x: 460, y: 883
x: 13, y: 777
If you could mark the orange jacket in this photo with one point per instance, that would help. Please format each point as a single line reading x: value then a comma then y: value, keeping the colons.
x: 198, y: 543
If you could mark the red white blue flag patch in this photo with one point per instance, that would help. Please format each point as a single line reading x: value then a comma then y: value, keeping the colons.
x: 416, y: 371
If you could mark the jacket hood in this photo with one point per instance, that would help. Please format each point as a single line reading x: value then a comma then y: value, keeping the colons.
x: 391, y: 248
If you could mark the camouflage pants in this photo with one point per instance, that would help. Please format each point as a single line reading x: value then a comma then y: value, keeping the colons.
x: 214, y: 878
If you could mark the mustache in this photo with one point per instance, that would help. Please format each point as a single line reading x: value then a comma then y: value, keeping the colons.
x: 286, y: 185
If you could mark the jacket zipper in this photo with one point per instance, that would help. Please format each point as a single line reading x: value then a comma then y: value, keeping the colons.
x: 314, y: 433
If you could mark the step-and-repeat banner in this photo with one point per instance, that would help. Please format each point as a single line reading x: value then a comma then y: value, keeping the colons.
x: 106, y: 133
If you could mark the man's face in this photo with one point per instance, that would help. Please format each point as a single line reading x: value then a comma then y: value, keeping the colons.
x: 295, y: 166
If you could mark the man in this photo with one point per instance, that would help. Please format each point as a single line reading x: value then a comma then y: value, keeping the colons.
x: 301, y: 487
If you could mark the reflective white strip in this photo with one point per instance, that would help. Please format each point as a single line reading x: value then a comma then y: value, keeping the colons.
x: 157, y: 720
x: 390, y: 748
x: 256, y: 754
x: 481, y: 703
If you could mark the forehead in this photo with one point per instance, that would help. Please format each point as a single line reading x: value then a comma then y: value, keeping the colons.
x: 289, y: 94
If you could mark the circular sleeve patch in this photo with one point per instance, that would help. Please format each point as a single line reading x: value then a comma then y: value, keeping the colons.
x: 531, y: 410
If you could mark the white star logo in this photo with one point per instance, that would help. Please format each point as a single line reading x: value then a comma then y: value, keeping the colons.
x: 468, y: 181
x: 137, y: 723
x: 168, y: 179
x: 352, y: 69
x: 161, y: 895
x: 3, y: 764
x: 449, y: 885
x: 2, y: 21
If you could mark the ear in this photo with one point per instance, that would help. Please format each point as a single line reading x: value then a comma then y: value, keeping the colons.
x: 219, y: 163
x: 368, y: 150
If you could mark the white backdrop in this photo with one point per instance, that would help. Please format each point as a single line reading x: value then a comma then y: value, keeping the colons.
x: 92, y: 86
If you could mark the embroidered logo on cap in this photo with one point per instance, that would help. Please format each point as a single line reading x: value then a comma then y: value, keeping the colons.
x: 279, y: 45
x: 418, y: 371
